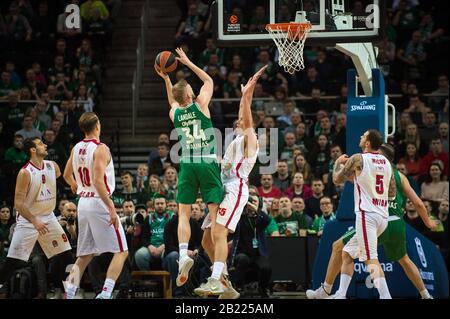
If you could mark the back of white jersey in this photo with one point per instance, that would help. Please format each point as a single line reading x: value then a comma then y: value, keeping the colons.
x: 234, y: 164
x: 83, y: 167
x: 372, y: 185
x: 41, y: 195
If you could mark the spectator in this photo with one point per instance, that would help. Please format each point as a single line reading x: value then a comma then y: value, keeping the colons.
x: 171, y: 256
x: 437, y: 102
x: 443, y: 217
x: 303, y: 141
x: 172, y: 206
x: 274, y: 209
x: 238, y: 68
x: 435, y: 188
x: 6, y: 220
x: 6, y: 85
x: 153, y: 235
x: 170, y: 182
x: 155, y: 186
x: 259, y: 20
x: 413, y: 57
x: 97, y: 30
x: 128, y: 192
x: 436, y: 153
x: 298, y: 206
x: 290, y: 223
x: 320, y: 155
x: 430, y: 129
x: 326, y: 207
x: 282, y: 178
x: 405, y: 20
x: 142, y: 177
x: 88, y: 8
x: 313, y: 203
x: 341, y: 131
x: 210, y: 49
x: 18, y: 26
x: 59, y: 66
x: 28, y: 131
x: 411, y: 136
x: 289, y: 147
x: 298, y: 188
x: 197, y: 213
x: 411, y: 160
x: 443, y: 134
x: 162, y: 161
x: 191, y: 27
x: 15, y: 78
x: 62, y: 134
x: 249, y: 250
x: 311, y: 81
x: 55, y: 150
x: 44, y: 27
x: 302, y: 166
x: 14, y: 113
x: 37, y: 124
x: 288, y: 109
x: 413, y: 218
x: 267, y: 190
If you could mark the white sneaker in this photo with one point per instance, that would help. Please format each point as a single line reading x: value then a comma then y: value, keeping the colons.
x: 229, y: 291
x: 212, y: 287
x: 319, y: 293
x: 337, y: 296
x: 184, y: 266
x: 79, y: 294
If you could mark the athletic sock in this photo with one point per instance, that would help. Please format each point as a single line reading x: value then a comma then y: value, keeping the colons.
x: 183, y: 249
x: 327, y: 287
x: 225, y: 270
x: 343, y: 285
x: 217, y: 270
x: 71, y: 290
x: 108, y: 288
x: 382, y: 287
x: 425, y: 294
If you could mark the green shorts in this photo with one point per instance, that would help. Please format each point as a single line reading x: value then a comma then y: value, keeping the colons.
x: 203, y: 177
x: 393, y: 239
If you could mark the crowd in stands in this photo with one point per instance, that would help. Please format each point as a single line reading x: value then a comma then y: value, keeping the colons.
x: 300, y: 198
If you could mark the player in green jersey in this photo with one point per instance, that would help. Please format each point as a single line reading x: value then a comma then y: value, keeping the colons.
x: 393, y: 238
x: 199, y: 170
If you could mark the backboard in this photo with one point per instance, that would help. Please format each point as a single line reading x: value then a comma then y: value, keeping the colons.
x: 242, y: 22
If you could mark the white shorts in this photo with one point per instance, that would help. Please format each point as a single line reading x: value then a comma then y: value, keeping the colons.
x: 25, y: 235
x: 232, y: 206
x: 95, y: 234
x: 364, y: 244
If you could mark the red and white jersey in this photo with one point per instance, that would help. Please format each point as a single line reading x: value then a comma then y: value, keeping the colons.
x: 41, y: 195
x: 83, y: 168
x: 372, y: 185
x: 234, y: 164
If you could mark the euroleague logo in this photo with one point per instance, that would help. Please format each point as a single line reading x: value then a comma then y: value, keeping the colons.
x: 234, y: 19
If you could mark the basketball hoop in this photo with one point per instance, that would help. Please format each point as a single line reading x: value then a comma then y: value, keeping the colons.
x: 290, y: 39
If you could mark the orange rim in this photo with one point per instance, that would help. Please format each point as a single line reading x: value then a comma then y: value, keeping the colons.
x: 291, y: 27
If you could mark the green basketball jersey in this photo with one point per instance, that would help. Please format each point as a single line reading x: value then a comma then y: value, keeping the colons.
x: 195, y: 131
x: 396, y: 206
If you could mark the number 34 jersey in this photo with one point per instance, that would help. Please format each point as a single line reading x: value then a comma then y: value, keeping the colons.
x: 83, y: 166
x: 372, y: 185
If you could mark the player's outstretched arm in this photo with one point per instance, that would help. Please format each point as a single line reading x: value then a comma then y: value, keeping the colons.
x: 207, y: 89
x: 68, y: 174
x: 350, y: 167
x: 22, y: 185
x: 246, y: 112
x: 417, y: 202
x: 102, y: 157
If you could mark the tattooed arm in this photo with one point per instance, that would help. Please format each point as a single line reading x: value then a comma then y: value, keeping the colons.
x: 352, y: 165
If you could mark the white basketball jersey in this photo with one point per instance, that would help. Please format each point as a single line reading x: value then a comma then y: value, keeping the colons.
x: 234, y: 164
x: 83, y: 168
x: 41, y: 195
x: 372, y: 185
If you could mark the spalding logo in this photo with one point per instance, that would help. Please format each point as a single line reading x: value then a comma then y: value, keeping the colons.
x: 363, y: 106
x: 423, y: 259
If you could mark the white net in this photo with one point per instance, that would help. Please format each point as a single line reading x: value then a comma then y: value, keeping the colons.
x: 290, y: 39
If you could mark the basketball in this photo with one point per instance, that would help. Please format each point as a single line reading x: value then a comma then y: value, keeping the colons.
x: 166, y: 62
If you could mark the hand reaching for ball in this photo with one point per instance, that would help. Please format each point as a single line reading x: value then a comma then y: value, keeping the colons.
x: 160, y: 73
x: 182, y: 56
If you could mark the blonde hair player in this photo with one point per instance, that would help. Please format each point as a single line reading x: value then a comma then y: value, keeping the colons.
x: 99, y: 229
x: 238, y: 162
x: 199, y: 170
x: 35, y: 200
